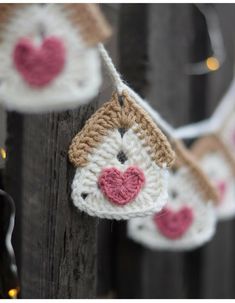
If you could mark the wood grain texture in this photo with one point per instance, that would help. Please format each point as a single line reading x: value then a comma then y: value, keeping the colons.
x: 58, y: 243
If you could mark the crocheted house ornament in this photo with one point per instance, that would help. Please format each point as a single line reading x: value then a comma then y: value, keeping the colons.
x: 188, y: 220
x: 121, y: 159
x: 49, y: 56
x: 219, y: 165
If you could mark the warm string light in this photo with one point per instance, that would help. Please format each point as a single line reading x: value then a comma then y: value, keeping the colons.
x: 212, y: 63
x: 3, y: 153
x: 218, y: 53
x: 13, y: 293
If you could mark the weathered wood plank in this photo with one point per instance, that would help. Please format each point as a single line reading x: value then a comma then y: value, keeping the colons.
x: 58, y: 243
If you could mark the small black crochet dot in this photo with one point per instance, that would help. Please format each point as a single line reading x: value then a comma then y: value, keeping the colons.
x: 174, y: 194
x: 84, y: 195
x: 120, y: 100
x: 122, y: 131
x: 122, y: 157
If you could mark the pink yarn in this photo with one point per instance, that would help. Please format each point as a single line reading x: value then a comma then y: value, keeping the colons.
x: 221, y: 187
x: 121, y: 188
x: 39, y: 65
x: 173, y: 224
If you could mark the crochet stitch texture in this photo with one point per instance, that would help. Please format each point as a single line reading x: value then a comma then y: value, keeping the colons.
x: 122, y: 143
x: 121, y: 188
x: 40, y: 75
x: 219, y: 165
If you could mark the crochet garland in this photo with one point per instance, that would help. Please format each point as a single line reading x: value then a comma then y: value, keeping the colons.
x: 121, y: 158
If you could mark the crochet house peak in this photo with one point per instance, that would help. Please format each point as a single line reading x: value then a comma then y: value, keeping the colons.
x: 212, y: 143
x: 115, y: 115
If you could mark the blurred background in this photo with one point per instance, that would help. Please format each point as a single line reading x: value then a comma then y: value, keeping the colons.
x: 61, y: 254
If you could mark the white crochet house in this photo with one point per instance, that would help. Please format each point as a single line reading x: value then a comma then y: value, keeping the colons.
x: 188, y: 220
x: 49, y: 56
x: 121, y: 159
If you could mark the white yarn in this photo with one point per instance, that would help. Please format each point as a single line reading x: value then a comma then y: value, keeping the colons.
x: 150, y: 199
x: 214, y: 123
x: 8, y: 239
x: 145, y: 231
x: 80, y: 79
x: 218, y: 169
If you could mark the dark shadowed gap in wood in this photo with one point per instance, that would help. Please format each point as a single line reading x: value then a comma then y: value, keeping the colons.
x: 133, y: 44
x: 192, y: 265
x: 13, y: 175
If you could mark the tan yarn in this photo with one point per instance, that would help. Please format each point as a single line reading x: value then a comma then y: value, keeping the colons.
x: 7, y: 11
x: 183, y: 157
x: 212, y: 143
x: 93, y: 26
x: 112, y: 116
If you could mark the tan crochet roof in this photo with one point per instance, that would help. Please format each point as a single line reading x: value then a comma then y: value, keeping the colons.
x: 7, y: 10
x: 183, y: 157
x: 213, y: 143
x: 92, y: 25
x: 112, y: 116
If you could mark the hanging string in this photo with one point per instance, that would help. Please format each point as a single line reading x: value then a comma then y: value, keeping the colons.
x: 218, y: 56
x: 120, y: 86
x: 13, y: 292
x: 194, y: 130
x: 214, y: 123
x: 115, y: 76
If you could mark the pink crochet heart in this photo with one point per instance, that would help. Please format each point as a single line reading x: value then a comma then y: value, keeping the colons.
x: 121, y: 188
x: 39, y: 65
x: 173, y: 224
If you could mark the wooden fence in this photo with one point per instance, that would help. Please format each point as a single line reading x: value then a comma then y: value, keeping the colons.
x: 63, y: 253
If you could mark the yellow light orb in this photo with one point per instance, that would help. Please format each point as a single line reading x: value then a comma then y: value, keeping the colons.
x: 12, y: 293
x: 3, y: 153
x: 212, y: 63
